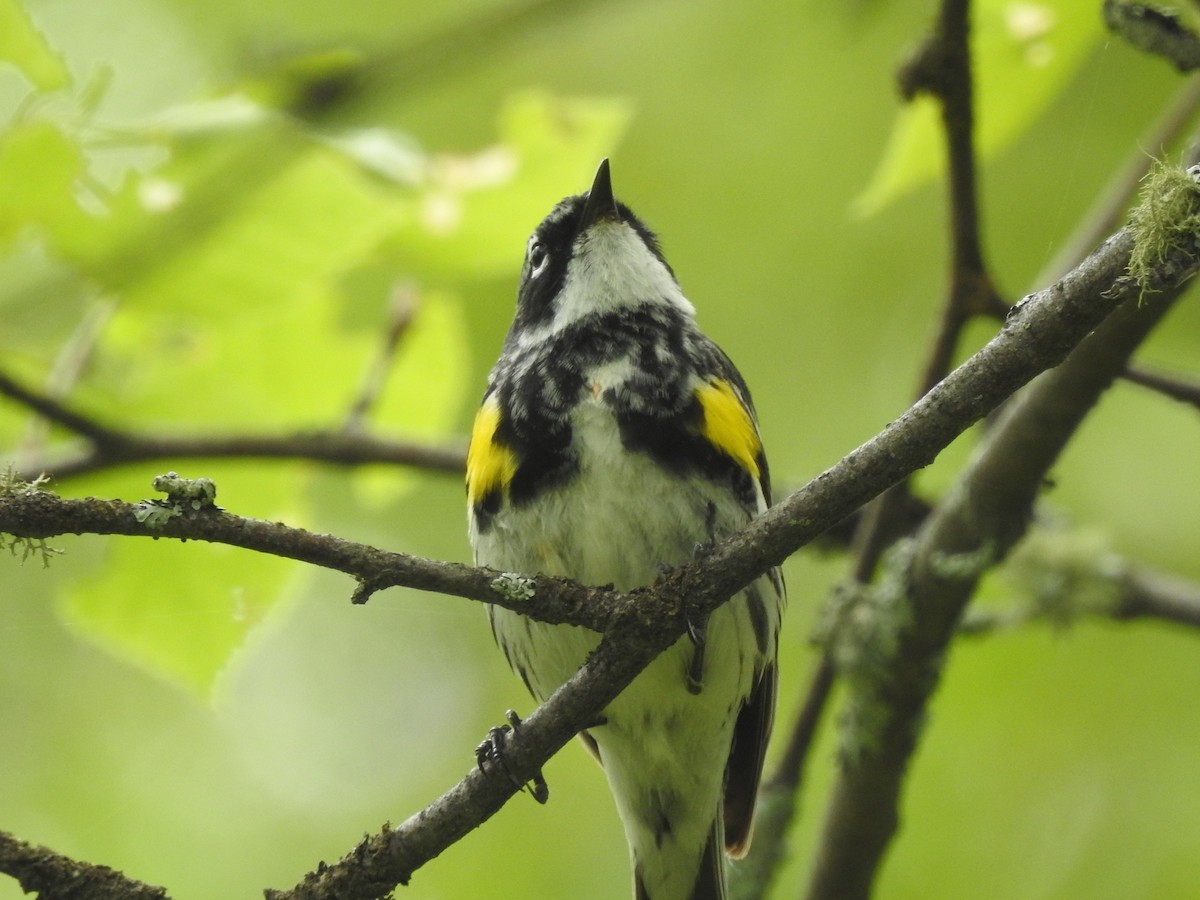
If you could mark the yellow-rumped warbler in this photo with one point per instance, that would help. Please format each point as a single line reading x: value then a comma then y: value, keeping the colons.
x: 614, y: 440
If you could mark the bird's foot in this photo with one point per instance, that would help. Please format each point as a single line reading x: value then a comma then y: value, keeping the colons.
x: 491, y: 750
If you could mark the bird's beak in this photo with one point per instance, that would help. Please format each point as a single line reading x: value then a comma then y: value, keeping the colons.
x: 600, y: 201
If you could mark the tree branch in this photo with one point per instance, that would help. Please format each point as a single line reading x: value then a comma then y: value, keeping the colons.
x: 53, y: 876
x: 1039, y: 333
x: 108, y: 447
x: 1155, y: 30
x: 895, y: 661
x: 33, y: 514
x: 1146, y: 593
x: 1138, y: 592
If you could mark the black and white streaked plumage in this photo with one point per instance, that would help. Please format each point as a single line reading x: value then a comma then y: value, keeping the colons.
x: 614, y: 439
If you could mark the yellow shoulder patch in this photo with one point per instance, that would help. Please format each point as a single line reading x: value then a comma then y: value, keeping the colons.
x: 490, y: 465
x: 728, y: 425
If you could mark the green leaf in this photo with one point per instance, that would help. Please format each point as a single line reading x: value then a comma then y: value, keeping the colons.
x: 23, y: 45
x: 231, y: 112
x: 260, y: 227
x: 252, y: 300
x: 176, y: 610
x: 474, y: 213
x: 392, y: 154
x: 39, y: 170
x: 1024, y: 55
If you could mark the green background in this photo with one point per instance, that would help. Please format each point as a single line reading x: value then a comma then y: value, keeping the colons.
x: 1056, y: 762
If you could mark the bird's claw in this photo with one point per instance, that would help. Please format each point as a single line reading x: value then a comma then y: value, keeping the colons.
x: 491, y: 750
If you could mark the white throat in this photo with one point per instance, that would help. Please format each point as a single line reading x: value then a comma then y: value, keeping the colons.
x: 612, y: 269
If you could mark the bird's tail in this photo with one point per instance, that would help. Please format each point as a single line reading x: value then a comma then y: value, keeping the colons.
x: 710, y: 877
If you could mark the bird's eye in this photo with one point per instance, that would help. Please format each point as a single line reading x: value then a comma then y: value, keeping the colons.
x: 538, y: 257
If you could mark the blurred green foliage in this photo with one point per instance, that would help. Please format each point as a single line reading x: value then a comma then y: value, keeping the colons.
x: 220, y: 201
x: 1023, y: 55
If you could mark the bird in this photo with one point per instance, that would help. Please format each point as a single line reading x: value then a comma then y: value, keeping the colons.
x: 614, y: 441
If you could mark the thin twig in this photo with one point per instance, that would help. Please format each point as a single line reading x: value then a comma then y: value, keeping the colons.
x: 402, y: 309
x: 69, y: 365
x: 942, y: 67
x: 1140, y: 593
x: 36, y: 514
x: 1177, y: 387
x: 1146, y: 593
x: 54, y: 411
x: 108, y: 447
